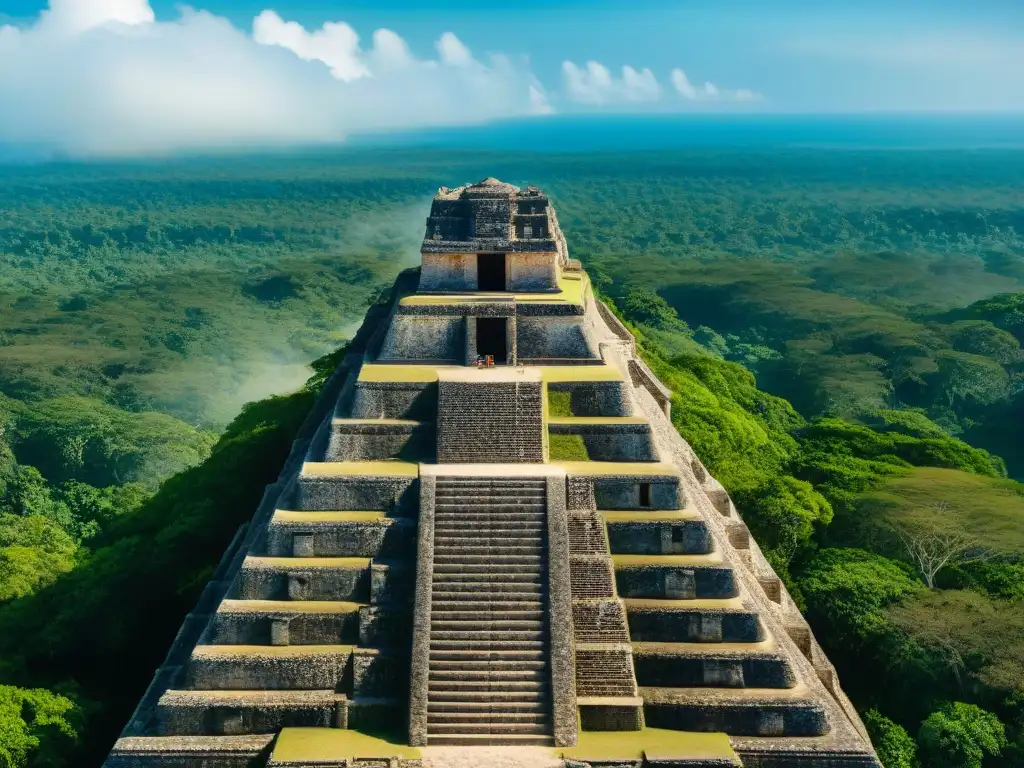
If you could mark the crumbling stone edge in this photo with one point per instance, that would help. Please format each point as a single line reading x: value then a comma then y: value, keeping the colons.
x: 562, y: 653
x: 420, y: 660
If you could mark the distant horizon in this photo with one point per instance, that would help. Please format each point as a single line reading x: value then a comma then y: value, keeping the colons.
x: 634, y: 132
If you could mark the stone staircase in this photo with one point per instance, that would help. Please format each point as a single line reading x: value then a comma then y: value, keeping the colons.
x: 489, y: 679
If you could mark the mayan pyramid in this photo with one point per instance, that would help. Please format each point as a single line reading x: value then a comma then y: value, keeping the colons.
x: 491, y: 537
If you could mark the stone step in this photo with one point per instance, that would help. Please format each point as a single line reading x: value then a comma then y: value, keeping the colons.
x: 440, y: 644
x: 511, y: 525
x: 454, y: 481
x: 483, y: 701
x: 455, y: 682
x: 504, y: 517
x: 506, y: 590
x: 496, y: 565
x: 475, y: 637
x: 497, y: 615
x: 504, y: 712
x: 737, y: 712
x: 513, y: 539
x: 483, y: 604
x: 441, y: 662
x: 537, y: 501
x: 455, y: 558
x: 488, y: 676
x: 476, y: 530
x: 491, y: 491
x: 497, y: 517
x: 487, y: 625
x: 498, y: 573
x: 488, y: 657
x: 472, y: 546
x: 488, y: 728
x: 489, y: 740
x: 487, y: 694
x: 493, y: 553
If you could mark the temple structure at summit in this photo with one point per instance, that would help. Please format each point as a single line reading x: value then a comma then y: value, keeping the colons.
x: 490, y: 541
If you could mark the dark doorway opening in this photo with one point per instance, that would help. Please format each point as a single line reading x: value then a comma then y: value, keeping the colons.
x: 492, y: 338
x: 645, y: 494
x: 490, y: 271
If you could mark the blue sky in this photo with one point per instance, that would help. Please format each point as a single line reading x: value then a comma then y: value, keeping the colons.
x: 730, y: 55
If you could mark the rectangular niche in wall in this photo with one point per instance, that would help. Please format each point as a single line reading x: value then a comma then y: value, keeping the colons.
x: 645, y: 494
x: 492, y: 338
x: 491, y: 272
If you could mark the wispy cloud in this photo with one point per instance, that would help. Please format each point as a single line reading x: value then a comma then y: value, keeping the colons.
x: 932, y: 49
x: 594, y: 84
x: 709, y: 91
x: 104, y: 77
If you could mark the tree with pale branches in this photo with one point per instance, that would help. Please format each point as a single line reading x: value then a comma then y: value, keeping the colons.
x: 933, y: 544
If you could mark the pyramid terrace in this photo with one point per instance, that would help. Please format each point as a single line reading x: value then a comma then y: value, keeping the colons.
x: 491, y: 547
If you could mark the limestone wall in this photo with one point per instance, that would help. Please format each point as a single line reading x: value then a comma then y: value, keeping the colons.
x: 532, y: 272
x: 527, y: 272
x: 355, y: 492
x: 596, y: 398
x: 358, y: 441
x: 612, y: 442
x: 416, y: 337
x: 555, y: 337
x: 448, y: 272
x: 394, y: 400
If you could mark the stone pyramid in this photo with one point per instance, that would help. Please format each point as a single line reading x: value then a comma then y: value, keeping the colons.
x: 491, y: 544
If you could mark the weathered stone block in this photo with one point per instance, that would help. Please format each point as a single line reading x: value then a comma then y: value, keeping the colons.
x: 395, y: 400
x: 379, y: 674
x: 626, y: 493
x: 386, y: 537
x: 277, y: 579
x: 677, y: 537
x: 359, y: 492
x: 372, y: 441
x: 421, y: 338
x: 668, y: 625
x: 676, y: 582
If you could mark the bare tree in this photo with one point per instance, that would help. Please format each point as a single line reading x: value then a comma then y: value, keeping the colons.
x: 934, y: 544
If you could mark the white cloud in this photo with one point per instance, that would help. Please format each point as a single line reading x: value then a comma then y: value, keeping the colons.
x: 539, y: 104
x: 103, y: 77
x: 595, y: 85
x: 709, y: 91
x: 452, y: 51
x: 335, y: 44
x: 682, y: 84
x: 71, y: 16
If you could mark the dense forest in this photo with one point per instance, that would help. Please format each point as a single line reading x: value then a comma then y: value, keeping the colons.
x: 841, y: 329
